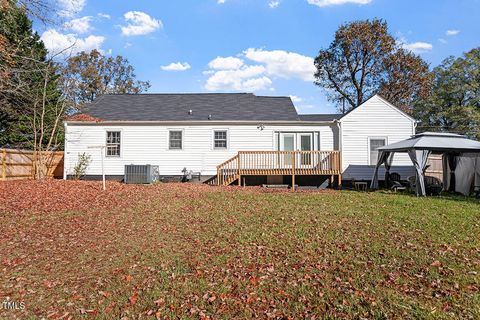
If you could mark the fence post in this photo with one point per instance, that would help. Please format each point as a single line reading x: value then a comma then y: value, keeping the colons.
x: 34, y: 161
x: 4, y: 164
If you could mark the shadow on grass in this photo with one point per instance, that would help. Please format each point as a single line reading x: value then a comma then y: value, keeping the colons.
x: 453, y: 196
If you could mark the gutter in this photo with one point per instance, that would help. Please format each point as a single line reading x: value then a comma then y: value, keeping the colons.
x: 199, y: 122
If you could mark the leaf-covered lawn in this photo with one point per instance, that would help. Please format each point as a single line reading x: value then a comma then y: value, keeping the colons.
x: 69, y: 250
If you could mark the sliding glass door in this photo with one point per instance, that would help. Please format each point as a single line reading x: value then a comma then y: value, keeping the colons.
x: 296, y: 141
x: 287, y: 143
x: 306, y: 144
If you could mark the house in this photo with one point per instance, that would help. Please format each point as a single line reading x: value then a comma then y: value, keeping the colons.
x: 235, y: 138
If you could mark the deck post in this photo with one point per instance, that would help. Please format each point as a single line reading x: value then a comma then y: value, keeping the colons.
x: 218, y: 176
x: 340, y: 170
x: 239, y: 173
x: 293, y: 171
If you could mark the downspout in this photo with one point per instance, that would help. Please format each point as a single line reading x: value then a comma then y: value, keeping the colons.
x: 340, y: 146
x: 340, y: 141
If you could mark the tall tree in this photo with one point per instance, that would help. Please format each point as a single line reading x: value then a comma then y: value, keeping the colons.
x: 23, y: 61
x: 454, y: 103
x: 95, y: 74
x: 364, y: 59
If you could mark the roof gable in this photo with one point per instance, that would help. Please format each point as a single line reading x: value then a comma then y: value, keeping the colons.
x: 384, y: 101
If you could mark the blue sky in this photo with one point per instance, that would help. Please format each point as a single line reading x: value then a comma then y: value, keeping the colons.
x: 261, y: 46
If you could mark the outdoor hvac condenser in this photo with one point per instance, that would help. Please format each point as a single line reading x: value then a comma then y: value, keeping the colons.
x: 141, y: 173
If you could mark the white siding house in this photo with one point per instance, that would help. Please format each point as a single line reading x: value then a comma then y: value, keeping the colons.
x: 149, y: 144
x: 157, y: 130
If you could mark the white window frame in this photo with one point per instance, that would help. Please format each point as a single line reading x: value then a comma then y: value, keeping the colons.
x: 368, y: 147
x: 182, y: 141
x: 120, y: 144
x: 277, y: 136
x: 227, y: 139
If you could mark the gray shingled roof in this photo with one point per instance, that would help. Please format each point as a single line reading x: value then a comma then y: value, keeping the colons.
x: 175, y: 107
x: 320, y: 117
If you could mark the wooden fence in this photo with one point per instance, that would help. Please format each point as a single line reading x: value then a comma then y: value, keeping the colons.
x: 20, y: 164
x: 435, y: 168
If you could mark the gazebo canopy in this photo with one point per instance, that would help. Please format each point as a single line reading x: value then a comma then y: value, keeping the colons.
x: 435, y: 142
x: 420, y: 146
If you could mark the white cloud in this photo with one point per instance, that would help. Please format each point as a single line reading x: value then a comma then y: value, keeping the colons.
x: 57, y: 42
x: 127, y: 45
x: 296, y: 98
x: 452, y: 32
x: 225, y: 63
x: 104, y: 15
x: 220, y: 1
x: 233, y: 73
x: 69, y: 8
x: 283, y: 64
x: 176, y: 66
x: 139, y: 23
x: 417, y: 47
x: 274, y: 4
x: 326, y: 3
x: 256, y: 84
x: 246, y: 78
x: 441, y: 40
x: 80, y: 25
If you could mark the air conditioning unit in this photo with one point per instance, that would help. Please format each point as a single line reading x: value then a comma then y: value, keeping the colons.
x: 142, y: 174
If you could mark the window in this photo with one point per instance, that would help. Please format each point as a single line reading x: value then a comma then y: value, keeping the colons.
x: 220, y: 139
x: 175, y: 140
x: 375, y: 143
x: 113, y: 144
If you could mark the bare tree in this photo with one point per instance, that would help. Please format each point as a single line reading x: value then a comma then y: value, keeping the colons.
x: 364, y: 59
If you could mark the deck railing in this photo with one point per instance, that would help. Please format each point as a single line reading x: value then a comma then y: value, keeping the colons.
x: 279, y: 163
x: 227, y: 172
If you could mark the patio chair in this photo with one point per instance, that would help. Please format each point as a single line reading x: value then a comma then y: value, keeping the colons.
x: 412, y: 183
x: 433, y: 186
x: 476, y: 191
x: 396, y: 182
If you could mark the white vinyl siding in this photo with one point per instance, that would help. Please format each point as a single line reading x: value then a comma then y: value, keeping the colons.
x: 149, y: 144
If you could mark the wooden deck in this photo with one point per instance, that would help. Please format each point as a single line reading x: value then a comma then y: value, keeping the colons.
x: 279, y: 163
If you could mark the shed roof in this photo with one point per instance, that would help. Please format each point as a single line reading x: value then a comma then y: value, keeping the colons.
x: 320, y: 117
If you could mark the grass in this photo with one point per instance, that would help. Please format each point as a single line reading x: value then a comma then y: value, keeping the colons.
x: 178, y: 251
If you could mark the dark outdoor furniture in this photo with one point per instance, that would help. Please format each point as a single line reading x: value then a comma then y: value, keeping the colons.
x: 476, y: 191
x: 396, y: 182
x: 433, y: 186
